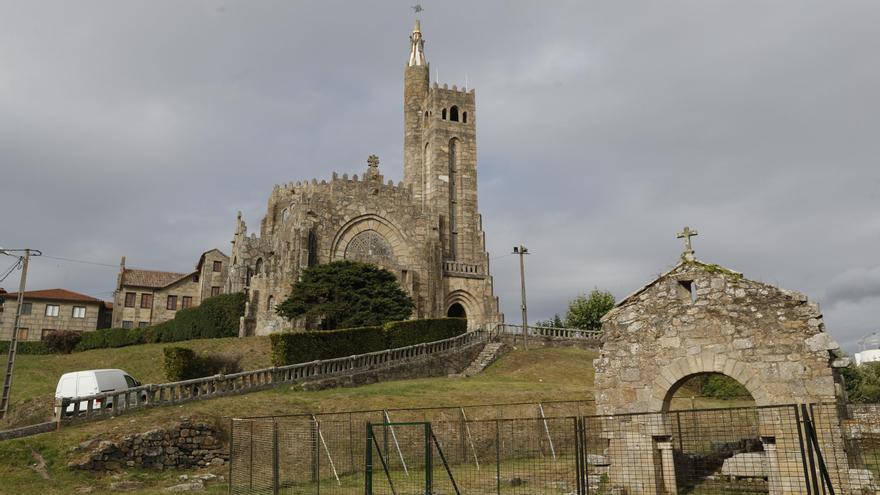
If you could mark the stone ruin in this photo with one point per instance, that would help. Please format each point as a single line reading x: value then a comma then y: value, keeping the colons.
x: 701, y: 318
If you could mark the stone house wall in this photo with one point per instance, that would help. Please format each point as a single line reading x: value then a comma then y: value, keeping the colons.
x: 37, y: 321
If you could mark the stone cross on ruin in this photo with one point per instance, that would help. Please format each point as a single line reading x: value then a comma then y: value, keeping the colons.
x: 686, y: 234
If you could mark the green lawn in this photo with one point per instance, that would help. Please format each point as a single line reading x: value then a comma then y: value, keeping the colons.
x: 522, y: 376
x: 36, y: 376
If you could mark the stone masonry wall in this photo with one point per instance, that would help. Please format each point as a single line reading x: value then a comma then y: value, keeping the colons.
x: 189, y: 443
x: 771, y: 340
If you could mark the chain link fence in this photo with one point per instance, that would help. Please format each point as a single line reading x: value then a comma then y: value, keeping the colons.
x: 562, y: 448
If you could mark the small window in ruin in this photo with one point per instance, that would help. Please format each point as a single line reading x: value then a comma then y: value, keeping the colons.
x: 464, y: 117
x: 686, y: 291
x: 453, y: 113
x: 426, y: 113
x: 443, y: 114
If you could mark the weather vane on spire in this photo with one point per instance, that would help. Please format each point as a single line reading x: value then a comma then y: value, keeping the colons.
x: 417, y: 8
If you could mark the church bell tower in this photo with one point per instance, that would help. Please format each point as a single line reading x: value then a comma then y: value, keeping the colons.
x: 415, y: 93
x: 440, y: 155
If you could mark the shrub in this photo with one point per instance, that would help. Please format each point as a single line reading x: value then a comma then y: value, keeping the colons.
x: 181, y: 363
x: 862, y: 382
x: 723, y: 387
x: 412, y: 332
x: 302, y: 347
x: 62, y: 341
x: 25, y: 347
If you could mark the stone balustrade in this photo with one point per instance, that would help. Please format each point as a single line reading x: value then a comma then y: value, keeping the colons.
x: 550, y: 332
x: 460, y: 269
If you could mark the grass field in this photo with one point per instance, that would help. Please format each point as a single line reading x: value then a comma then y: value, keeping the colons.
x: 540, y: 374
x: 37, y: 376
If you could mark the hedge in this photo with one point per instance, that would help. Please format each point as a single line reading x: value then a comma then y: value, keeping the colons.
x: 215, y: 318
x: 113, y: 337
x: 302, y: 347
x: 25, y: 347
x: 412, y: 332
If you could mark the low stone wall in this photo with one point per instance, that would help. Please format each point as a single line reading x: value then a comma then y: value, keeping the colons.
x: 187, y: 444
x: 441, y: 364
x: 27, y: 431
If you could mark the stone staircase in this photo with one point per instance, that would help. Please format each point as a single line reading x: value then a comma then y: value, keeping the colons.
x: 491, y: 352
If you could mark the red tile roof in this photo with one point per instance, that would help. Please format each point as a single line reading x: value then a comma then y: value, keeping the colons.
x: 54, y: 295
x: 150, y: 278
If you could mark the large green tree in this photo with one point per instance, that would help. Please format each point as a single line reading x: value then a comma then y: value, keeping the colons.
x: 586, y: 311
x: 347, y: 294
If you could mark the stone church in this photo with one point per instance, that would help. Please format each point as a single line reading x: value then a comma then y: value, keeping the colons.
x: 427, y: 229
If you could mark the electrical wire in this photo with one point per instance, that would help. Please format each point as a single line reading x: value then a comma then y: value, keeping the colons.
x: 11, y: 269
x: 85, y: 262
x: 502, y: 256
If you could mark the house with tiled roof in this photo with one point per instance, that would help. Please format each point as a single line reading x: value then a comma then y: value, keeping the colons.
x: 49, y: 310
x: 147, y: 297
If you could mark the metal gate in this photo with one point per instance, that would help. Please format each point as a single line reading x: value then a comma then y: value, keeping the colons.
x: 402, y: 459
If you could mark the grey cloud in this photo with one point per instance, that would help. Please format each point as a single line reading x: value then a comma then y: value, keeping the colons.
x: 139, y: 129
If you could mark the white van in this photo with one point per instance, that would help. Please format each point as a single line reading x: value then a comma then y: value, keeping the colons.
x: 91, y: 382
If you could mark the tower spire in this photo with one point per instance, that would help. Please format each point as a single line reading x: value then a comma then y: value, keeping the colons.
x: 417, y: 46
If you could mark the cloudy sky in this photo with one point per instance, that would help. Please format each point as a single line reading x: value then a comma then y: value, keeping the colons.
x: 140, y: 128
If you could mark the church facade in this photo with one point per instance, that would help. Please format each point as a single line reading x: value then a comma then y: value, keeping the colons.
x: 426, y: 230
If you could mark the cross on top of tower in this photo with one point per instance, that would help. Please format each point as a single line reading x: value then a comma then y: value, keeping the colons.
x: 686, y: 234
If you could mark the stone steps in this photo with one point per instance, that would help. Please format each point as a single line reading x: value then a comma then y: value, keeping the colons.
x: 491, y: 352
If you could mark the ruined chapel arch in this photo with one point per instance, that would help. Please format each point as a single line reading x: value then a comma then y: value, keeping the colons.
x: 674, y: 374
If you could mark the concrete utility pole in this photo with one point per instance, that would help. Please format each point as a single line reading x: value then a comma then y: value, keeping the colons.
x: 522, y: 251
x: 13, y: 339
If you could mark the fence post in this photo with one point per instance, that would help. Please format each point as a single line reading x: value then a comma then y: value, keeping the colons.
x: 578, y: 457
x: 275, y: 457
x: 498, y: 456
x: 368, y: 462
x: 251, y: 460
x: 231, y: 447
x: 429, y: 464
x: 809, y: 472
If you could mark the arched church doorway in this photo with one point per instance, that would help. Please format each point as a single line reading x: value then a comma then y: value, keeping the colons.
x: 705, y: 391
x: 456, y: 311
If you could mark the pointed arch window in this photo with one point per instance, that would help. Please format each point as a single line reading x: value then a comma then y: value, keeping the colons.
x: 313, y: 248
x: 443, y: 114
x: 464, y: 117
x: 453, y: 113
x: 453, y: 196
x: 258, y: 267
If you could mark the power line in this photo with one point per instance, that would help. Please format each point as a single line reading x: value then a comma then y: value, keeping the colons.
x: 11, y: 269
x: 85, y: 262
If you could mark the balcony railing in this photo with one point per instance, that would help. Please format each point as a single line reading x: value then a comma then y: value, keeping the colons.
x: 460, y: 269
